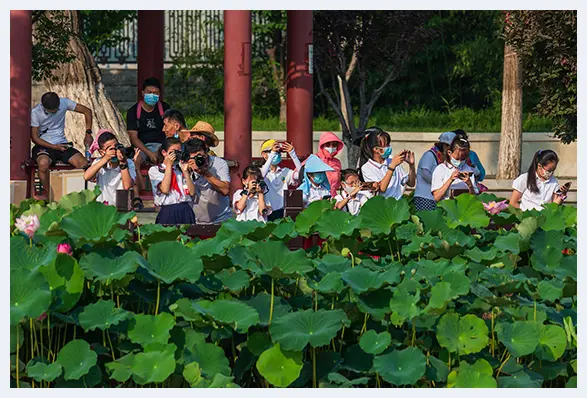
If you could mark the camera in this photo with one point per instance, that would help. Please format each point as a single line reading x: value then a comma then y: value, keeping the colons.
x: 183, y: 156
x: 262, y: 186
x: 127, y: 152
x: 201, y: 161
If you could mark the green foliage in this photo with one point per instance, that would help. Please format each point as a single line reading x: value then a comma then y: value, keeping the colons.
x: 463, y: 306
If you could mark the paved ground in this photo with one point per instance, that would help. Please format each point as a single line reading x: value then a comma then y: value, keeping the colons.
x: 146, y: 218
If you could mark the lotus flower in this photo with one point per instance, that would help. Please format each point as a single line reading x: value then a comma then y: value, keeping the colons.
x: 64, y: 248
x: 28, y: 224
x: 495, y: 207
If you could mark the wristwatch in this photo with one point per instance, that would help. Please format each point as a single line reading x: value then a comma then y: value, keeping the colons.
x: 390, y: 168
x: 123, y: 166
x: 244, y: 192
x: 89, y: 131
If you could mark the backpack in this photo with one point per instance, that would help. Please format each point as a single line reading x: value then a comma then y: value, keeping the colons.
x: 140, y: 109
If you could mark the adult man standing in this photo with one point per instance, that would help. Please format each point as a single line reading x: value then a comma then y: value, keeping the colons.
x: 48, y: 135
x: 212, y: 180
x: 144, y: 123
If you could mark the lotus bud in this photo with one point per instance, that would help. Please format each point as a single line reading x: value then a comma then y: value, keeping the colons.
x: 402, y: 273
x: 28, y: 224
x: 42, y: 317
x: 413, y: 271
x: 345, y: 252
x: 64, y: 248
x: 134, y: 220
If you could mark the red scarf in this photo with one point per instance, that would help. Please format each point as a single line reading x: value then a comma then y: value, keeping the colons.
x: 174, y: 184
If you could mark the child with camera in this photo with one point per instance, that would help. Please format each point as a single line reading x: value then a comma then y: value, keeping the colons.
x: 250, y: 203
x: 113, y: 170
x: 278, y: 178
x: 173, y: 187
x: 315, y: 185
x: 353, y: 195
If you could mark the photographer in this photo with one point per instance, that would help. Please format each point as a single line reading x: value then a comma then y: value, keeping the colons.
x: 454, y: 173
x: 173, y: 188
x: 250, y: 203
x: 113, y: 170
x: 211, y: 178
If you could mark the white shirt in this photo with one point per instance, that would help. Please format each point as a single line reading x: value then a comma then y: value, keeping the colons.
x: 109, y: 179
x: 52, y: 127
x: 354, y: 205
x: 531, y: 200
x: 442, y: 174
x: 279, y: 180
x: 374, y: 172
x: 210, y: 206
x: 316, y: 193
x: 426, y: 167
x: 156, y: 174
x: 251, y: 210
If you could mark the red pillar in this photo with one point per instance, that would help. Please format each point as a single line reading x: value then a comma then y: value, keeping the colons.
x: 150, y: 47
x: 237, y: 91
x: 21, y: 44
x: 299, y: 81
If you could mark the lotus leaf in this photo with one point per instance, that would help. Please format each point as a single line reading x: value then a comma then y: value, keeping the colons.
x: 330, y: 283
x: 520, y: 338
x: 404, y: 306
x: 107, y: 269
x: 121, y: 368
x: 381, y: 215
x: 280, y: 368
x: 459, y: 283
x: 93, y: 222
x: 22, y: 256
x: 334, y: 224
x: 102, y: 315
x: 278, y: 261
x: 76, y: 358
x: 552, y: 342
x: 306, y: 220
x: 236, y: 314
x: 478, y: 375
x: 332, y: 263
x: 374, y: 343
x: 262, y: 303
x: 148, y: 329
x: 42, y: 371
x: 171, y: 261
x: 546, y: 250
x: 401, y: 367
x: 258, y: 342
x: 441, y: 294
x: 192, y: 373
x: 437, y: 370
x: 66, y: 289
x: 466, y: 335
x: 209, y: 357
x: 550, y: 290
x: 361, y: 279
x: 29, y: 295
x: 234, y: 281
x: 521, y: 379
x: 466, y: 211
x: 152, y: 367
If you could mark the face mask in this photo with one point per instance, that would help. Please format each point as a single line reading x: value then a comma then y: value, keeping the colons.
x: 387, y: 153
x: 348, y: 189
x: 151, y: 99
x: 319, y: 178
x: 547, y: 174
x: 176, y: 135
x: 456, y: 163
x: 275, y: 161
x: 331, y: 150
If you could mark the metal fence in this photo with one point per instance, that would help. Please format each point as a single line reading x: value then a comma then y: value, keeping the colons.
x: 187, y: 33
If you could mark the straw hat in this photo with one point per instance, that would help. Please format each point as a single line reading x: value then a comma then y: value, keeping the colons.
x: 206, y: 129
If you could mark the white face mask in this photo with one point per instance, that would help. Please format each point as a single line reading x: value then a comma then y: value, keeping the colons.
x: 331, y: 149
x: 348, y: 189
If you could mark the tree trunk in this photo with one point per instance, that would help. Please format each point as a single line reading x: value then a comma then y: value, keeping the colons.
x: 343, y: 100
x: 282, y: 110
x: 510, y: 143
x: 81, y: 81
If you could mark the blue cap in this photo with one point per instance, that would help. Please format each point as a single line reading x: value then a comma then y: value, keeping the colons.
x: 447, y: 137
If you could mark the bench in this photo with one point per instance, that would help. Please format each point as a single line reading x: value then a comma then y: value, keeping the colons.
x: 30, y: 166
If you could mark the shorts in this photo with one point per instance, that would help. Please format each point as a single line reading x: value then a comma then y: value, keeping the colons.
x: 424, y: 204
x: 151, y: 146
x: 54, y: 155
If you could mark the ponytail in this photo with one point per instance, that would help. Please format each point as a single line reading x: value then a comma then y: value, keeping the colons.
x: 542, y: 157
x: 370, y: 141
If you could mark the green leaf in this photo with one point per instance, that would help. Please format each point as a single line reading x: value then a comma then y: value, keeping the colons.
x: 437, y: 370
x: 433, y: 220
x: 280, y: 368
x: 330, y: 283
x: 306, y: 220
x: 153, y: 233
x: 218, y: 381
x: 234, y: 281
x: 192, y: 373
x: 478, y: 375
x: 478, y: 255
x: 404, y: 306
x: 236, y: 314
x: 373, y: 343
x: 102, y: 315
x: 278, y: 261
x: 572, y: 382
x: 520, y: 338
x: 148, y: 329
x: 441, y: 293
x: 552, y: 343
x: 121, y: 368
x: 30, y: 258
x: 403, y: 367
x: 29, y: 295
x: 153, y: 367
x: 334, y: 224
x: 210, y: 357
x: 171, y: 261
x: 66, y: 290
x: 508, y: 243
x: 550, y: 290
x: 76, y: 358
x: 14, y: 339
x: 381, y: 214
x: 332, y: 263
x: 360, y: 279
x: 295, y: 330
x: 258, y: 342
x: 459, y: 283
x: 546, y: 251
x: 106, y: 269
x: 262, y: 303
x: 466, y: 211
x: 557, y: 218
x: 42, y: 371
x: 466, y: 335
x: 93, y: 222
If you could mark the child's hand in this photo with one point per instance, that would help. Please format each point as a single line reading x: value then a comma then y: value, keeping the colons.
x: 276, y: 147
x: 397, y: 160
x: 455, y: 174
x: 355, y: 191
x: 286, y: 146
x: 184, y: 166
x: 169, y: 159
x: 410, y: 158
x: 137, y: 159
x: 110, y: 153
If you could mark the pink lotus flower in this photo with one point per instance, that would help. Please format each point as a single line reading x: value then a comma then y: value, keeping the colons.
x: 28, y: 224
x: 495, y: 207
x: 64, y: 248
x: 42, y: 317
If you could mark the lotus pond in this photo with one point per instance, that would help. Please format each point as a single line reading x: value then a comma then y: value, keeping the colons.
x: 457, y: 297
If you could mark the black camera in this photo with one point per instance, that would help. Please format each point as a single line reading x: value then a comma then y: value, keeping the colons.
x: 183, y: 156
x: 128, y: 153
x: 201, y: 161
x: 262, y: 186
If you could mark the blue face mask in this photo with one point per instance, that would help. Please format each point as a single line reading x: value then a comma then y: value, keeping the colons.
x: 276, y: 160
x: 387, y: 153
x: 319, y: 178
x: 151, y: 99
x: 456, y: 163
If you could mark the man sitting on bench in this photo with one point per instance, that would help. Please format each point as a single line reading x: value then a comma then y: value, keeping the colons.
x: 48, y: 135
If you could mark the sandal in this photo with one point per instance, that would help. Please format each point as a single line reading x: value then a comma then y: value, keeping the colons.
x: 137, y: 204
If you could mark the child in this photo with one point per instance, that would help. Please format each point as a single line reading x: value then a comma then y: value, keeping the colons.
x: 112, y: 170
x: 351, y: 199
x: 423, y: 198
x: 473, y: 160
x: 454, y: 173
x: 538, y: 186
x: 173, y: 187
x: 386, y: 172
x: 330, y: 146
x: 277, y: 178
x: 250, y: 203
x: 315, y: 184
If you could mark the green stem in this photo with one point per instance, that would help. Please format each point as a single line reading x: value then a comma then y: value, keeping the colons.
x: 492, y: 333
x: 399, y: 257
x: 158, y: 297
x: 413, y: 332
x: 364, y: 328
x: 30, y: 242
x: 272, y: 300
x: 315, y: 301
x: 390, y: 251
x: 17, y: 357
x: 352, y: 260
x: 449, y: 361
x: 104, y: 337
x: 32, y: 339
x: 341, y: 338
x: 48, y: 335
x: 111, y: 346
x: 314, y: 381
